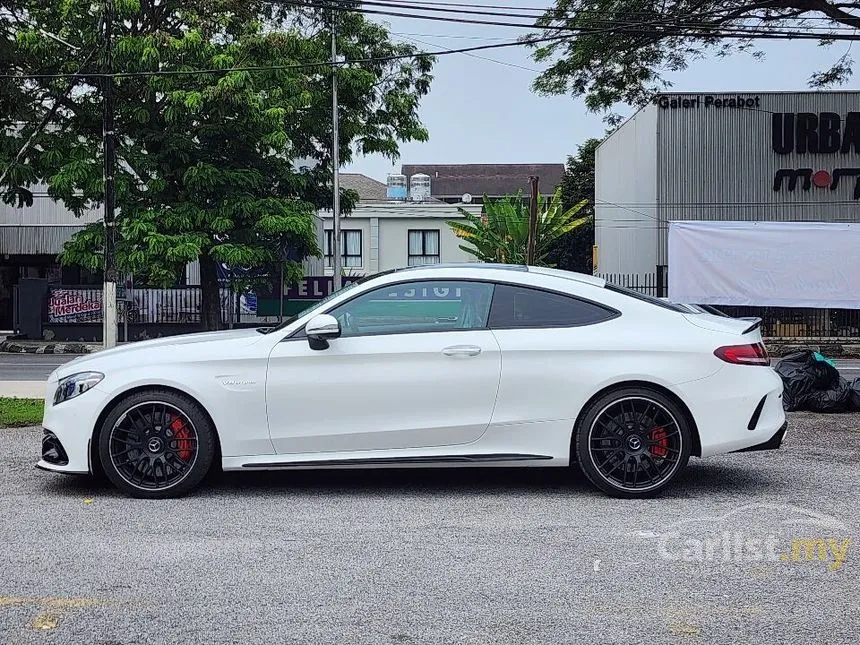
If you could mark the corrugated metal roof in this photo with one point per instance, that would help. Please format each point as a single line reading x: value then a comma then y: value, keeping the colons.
x: 35, y: 240
x: 494, y: 180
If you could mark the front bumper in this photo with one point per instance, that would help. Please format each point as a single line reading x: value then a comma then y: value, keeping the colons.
x: 70, y: 425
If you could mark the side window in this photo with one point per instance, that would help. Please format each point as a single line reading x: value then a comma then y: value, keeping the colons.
x: 433, y: 305
x: 522, y: 307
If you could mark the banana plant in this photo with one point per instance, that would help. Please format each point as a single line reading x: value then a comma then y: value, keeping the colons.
x: 501, y: 235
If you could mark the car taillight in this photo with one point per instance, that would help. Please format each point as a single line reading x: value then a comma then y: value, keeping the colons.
x: 754, y: 354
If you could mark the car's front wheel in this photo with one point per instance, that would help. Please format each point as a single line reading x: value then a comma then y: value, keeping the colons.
x: 632, y: 442
x: 156, y: 444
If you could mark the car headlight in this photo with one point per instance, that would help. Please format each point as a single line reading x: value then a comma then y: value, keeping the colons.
x: 75, y: 385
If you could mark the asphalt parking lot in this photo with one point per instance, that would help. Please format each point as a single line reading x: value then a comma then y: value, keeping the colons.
x: 492, y: 556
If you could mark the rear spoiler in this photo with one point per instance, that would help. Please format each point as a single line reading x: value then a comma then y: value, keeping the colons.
x: 755, y: 324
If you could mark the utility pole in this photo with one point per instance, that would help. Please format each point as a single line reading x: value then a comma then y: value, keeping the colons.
x: 533, y: 220
x: 109, y: 317
x: 335, y: 159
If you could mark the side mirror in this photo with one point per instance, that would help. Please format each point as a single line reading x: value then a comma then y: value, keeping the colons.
x: 320, y: 329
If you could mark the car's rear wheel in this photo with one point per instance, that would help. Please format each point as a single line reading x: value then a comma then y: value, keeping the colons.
x: 156, y: 444
x: 633, y: 441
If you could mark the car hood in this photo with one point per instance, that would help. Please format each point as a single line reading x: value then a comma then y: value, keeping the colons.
x: 132, y: 351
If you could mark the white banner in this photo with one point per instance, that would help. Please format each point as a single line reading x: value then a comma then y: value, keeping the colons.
x: 778, y: 264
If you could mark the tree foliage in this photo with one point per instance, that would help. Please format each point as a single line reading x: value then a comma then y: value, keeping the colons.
x: 208, y: 147
x: 501, y: 234
x: 621, y: 50
x: 572, y: 251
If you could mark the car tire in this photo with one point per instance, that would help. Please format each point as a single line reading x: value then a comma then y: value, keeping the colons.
x: 156, y: 444
x: 633, y: 442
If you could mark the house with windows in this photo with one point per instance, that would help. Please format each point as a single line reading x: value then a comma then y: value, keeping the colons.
x: 404, y: 222
x: 377, y: 236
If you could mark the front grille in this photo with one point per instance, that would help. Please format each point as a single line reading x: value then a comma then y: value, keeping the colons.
x: 53, y: 451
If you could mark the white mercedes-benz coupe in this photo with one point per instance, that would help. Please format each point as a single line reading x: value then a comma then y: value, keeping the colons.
x: 445, y: 365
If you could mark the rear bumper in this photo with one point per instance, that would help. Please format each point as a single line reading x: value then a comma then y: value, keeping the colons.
x: 774, y: 443
x: 736, y: 408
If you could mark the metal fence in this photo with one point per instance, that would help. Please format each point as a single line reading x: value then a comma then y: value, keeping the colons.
x: 777, y: 322
x: 177, y: 305
x: 646, y: 283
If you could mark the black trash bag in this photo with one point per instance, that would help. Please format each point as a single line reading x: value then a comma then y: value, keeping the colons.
x: 833, y: 399
x: 854, y: 398
x: 804, y: 378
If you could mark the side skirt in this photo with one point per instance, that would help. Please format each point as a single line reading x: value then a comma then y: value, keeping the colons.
x: 393, y: 461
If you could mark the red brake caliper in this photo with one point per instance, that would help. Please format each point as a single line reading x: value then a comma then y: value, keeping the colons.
x: 183, y: 443
x: 661, y: 447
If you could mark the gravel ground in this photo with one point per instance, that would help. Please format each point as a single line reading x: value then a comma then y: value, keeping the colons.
x: 457, y: 557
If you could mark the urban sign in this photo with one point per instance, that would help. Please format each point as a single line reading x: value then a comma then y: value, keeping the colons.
x: 811, y: 133
x: 807, y: 132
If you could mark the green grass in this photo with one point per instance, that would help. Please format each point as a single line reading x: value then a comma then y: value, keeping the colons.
x: 15, y: 413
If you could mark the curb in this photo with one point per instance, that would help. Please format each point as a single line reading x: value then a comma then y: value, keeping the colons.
x: 11, y: 347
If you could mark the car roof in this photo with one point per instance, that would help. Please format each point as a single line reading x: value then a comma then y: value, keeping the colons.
x: 467, y: 265
x: 488, y: 266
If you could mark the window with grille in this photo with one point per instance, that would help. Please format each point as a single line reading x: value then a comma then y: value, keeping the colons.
x: 350, y: 249
x: 423, y: 247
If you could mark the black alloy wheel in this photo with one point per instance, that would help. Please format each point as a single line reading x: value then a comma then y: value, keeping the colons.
x: 633, y: 442
x: 156, y: 444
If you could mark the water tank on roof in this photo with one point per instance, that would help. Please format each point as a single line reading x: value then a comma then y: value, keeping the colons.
x: 419, y: 188
x: 396, y: 188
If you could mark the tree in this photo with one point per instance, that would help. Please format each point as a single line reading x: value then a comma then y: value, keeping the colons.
x: 215, y: 102
x: 619, y: 50
x: 572, y: 251
x: 501, y: 235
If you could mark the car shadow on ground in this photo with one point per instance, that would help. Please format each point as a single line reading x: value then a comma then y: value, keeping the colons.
x: 701, y: 478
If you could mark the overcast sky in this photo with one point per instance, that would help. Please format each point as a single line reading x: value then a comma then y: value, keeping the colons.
x: 485, y: 112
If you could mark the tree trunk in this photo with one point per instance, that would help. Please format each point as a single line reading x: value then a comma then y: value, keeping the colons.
x: 210, y: 305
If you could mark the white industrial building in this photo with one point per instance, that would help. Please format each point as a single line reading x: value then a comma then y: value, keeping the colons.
x: 749, y: 156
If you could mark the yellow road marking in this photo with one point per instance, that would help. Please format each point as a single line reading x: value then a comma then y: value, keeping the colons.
x: 59, y: 603
x: 45, y: 621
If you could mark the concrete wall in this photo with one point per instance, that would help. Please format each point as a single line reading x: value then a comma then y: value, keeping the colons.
x: 394, y: 245
x: 625, y: 210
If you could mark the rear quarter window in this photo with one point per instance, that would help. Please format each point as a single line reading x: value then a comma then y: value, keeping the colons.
x: 665, y: 304
x: 517, y: 307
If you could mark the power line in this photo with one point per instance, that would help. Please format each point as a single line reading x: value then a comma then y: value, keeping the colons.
x: 478, y: 56
x: 709, y: 30
x: 454, y: 36
x: 623, y: 27
x: 265, y: 68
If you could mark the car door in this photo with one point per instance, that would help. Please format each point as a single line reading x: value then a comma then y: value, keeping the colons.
x: 415, y: 366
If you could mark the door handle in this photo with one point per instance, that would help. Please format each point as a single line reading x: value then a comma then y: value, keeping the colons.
x: 462, y: 350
